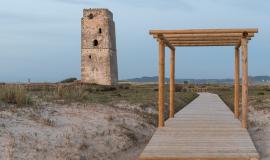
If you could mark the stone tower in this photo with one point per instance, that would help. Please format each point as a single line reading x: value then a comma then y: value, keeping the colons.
x: 98, y: 47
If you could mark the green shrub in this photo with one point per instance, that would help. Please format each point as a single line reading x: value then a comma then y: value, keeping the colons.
x: 100, y: 88
x: 155, y: 89
x: 124, y: 86
x: 266, y: 88
x: 178, y: 88
x: 15, y: 94
x: 260, y: 93
x: 69, y: 80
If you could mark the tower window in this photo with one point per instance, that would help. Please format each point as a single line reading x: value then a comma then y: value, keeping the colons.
x: 100, y: 30
x: 90, y: 57
x: 91, y: 16
x: 95, y: 42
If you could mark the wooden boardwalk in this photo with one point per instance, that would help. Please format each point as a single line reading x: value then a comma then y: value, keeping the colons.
x: 204, y: 130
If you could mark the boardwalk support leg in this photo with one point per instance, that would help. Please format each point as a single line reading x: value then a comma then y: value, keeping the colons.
x: 161, y: 87
x: 236, y: 84
x: 244, y: 80
x: 172, y: 82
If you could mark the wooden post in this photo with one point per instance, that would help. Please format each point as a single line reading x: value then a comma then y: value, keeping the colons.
x: 172, y: 82
x: 236, y: 84
x: 161, y: 87
x: 244, y: 81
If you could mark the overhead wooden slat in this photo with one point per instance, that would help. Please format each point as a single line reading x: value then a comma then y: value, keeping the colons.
x: 204, y: 42
x: 204, y: 31
x: 207, y: 35
x: 205, y: 39
x: 202, y: 45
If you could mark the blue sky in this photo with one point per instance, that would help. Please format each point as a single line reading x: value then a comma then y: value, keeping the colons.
x: 40, y: 39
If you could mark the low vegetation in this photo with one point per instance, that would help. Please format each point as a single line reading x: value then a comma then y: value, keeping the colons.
x: 15, y: 94
x: 146, y: 95
x: 26, y: 95
x: 258, y: 95
x: 120, y: 118
x: 69, y: 80
x: 68, y: 120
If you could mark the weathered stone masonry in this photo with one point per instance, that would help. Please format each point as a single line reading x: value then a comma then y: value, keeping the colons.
x: 98, y: 47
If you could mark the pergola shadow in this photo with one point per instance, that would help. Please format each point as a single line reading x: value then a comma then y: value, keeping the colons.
x: 237, y: 38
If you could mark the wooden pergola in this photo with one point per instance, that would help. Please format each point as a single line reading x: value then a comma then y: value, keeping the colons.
x: 204, y: 37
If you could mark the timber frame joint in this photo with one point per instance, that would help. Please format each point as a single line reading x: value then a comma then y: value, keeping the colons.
x: 160, y: 37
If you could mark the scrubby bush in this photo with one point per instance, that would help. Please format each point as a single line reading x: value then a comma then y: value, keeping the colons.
x: 70, y: 93
x: 266, y: 88
x: 124, y: 86
x: 69, y: 80
x: 15, y: 94
x: 260, y: 93
x: 178, y: 88
x: 100, y: 88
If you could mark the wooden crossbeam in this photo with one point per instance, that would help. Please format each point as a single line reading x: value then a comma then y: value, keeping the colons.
x: 205, y: 39
x: 207, y: 35
x: 203, y: 31
x: 198, y: 44
x: 205, y: 42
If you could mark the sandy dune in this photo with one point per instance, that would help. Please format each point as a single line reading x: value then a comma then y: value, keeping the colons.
x: 74, y: 132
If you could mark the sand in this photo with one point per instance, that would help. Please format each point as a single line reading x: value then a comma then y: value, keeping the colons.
x: 75, y: 131
x: 259, y: 129
x: 93, y: 131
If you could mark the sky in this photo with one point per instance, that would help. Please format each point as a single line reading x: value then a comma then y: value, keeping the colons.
x: 40, y: 39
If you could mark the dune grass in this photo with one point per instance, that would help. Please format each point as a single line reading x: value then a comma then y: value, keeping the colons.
x: 15, y: 94
x: 259, y: 95
x: 85, y: 93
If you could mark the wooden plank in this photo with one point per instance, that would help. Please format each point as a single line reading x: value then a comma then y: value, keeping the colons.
x: 203, y: 31
x: 216, y: 35
x: 204, y: 42
x: 204, y: 130
x: 205, y: 39
x: 203, y: 45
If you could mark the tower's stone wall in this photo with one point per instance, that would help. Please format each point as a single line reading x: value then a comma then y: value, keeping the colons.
x: 98, y: 47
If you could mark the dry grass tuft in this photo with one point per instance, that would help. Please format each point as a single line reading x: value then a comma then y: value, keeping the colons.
x: 83, y: 146
x: 15, y: 94
x: 48, y: 122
